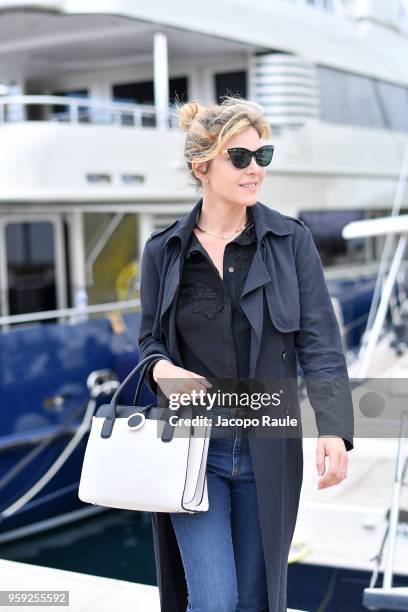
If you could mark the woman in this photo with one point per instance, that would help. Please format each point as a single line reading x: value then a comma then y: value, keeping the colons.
x: 236, y: 290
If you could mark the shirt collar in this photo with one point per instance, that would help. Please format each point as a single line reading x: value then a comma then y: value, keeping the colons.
x: 247, y: 236
x: 265, y: 220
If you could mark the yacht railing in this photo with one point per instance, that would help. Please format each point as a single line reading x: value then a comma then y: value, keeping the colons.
x: 72, y: 315
x: 396, y: 225
x: 331, y: 6
x: 76, y: 110
x: 389, y: 597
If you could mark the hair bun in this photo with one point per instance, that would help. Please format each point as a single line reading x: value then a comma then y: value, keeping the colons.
x: 187, y: 113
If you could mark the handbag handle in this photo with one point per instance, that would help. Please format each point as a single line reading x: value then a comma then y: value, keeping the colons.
x: 111, y: 416
x: 142, y: 376
x: 141, y: 380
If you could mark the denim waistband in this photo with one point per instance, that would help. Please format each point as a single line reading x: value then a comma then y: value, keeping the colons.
x: 228, y: 428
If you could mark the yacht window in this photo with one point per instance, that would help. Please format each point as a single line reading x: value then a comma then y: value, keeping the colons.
x: 31, y: 275
x: 326, y: 228
x: 394, y: 102
x: 230, y: 83
x: 61, y: 112
x: 142, y: 92
x: 349, y: 98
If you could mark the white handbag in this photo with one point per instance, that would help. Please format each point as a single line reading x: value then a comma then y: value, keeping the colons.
x: 136, y: 460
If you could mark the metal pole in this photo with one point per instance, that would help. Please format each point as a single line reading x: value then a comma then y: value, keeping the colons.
x: 395, y: 507
x: 396, y: 207
x: 161, y: 79
x: 77, y: 254
x: 382, y: 308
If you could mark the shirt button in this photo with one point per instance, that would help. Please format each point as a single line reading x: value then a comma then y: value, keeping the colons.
x: 284, y: 355
x: 231, y: 269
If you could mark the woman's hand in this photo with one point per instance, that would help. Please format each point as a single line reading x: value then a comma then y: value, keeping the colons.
x: 335, y: 449
x: 172, y: 379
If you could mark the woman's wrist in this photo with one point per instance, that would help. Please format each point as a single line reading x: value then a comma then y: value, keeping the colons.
x: 158, y: 367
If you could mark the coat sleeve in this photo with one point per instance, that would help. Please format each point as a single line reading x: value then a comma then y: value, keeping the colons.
x: 149, y: 298
x: 319, y: 347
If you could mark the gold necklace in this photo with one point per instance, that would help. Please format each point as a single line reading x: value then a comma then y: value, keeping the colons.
x: 222, y: 237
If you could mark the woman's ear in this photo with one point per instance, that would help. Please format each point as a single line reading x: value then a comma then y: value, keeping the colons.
x: 199, y: 169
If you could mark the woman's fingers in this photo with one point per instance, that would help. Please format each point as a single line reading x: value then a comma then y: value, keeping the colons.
x: 178, y: 381
x: 336, y: 470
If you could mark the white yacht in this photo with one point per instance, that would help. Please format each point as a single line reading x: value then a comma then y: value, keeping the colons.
x: 91, y: 162
x: 90, y: 152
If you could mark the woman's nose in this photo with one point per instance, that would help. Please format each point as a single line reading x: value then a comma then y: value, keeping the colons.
x: 253, y: 165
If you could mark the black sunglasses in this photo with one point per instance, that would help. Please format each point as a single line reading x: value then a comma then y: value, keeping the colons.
x: 241, y: 157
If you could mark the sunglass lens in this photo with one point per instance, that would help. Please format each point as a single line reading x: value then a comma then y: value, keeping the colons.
x: 241, y: 158
x: 264, y: 155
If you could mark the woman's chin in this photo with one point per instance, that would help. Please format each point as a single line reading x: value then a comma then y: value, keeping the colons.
x: 249, y: 198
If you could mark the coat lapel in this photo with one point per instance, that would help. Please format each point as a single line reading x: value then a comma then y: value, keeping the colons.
x: 259, y: 282
x: 171, y: 283
x: 175, y: 245
x: 251, y: 302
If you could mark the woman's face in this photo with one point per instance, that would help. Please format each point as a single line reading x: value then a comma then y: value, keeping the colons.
x: 224, y: 181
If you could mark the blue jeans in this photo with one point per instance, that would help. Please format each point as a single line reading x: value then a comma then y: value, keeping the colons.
x: 221, y: 549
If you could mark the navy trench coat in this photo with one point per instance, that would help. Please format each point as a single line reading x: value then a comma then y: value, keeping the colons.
x: 287, y: 303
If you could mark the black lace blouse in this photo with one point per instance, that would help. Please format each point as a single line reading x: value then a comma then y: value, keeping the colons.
x: 213, y: 332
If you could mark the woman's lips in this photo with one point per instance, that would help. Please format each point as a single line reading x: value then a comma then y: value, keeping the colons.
x: 250, y: 186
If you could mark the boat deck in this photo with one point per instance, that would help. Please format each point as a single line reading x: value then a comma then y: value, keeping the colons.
x: 86, y: 593
x: 344, y: 524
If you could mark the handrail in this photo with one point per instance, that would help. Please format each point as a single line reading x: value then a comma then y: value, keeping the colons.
x: 64, y: 312
x: 74, y: 100
x: 118, y: 109
x: 333, y: 7
x: 393, y: 225
x: 395, y: 502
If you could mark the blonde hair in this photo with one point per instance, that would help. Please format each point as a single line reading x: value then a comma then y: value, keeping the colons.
x: 210, y: 127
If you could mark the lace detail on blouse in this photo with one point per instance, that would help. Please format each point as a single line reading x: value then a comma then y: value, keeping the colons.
x: 200, y: 297
x: 242, y: 262
x: 209, y: 297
